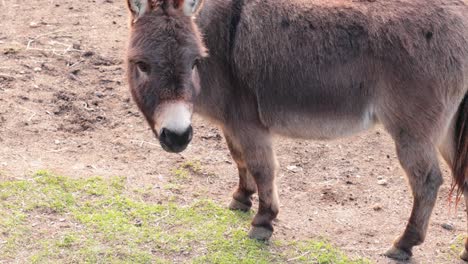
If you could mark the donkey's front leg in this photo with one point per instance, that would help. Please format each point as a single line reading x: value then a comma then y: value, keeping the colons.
x: 261, y: 163
x: 242, y: 197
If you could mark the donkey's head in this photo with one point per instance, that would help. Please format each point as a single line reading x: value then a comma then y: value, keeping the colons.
x: 164, y: 50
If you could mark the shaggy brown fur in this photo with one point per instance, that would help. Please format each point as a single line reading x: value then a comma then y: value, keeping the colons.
x: 312, y: 69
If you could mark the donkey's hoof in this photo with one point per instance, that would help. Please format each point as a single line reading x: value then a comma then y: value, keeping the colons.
x: 398, y: 254
x: 464, y: 255
x: 236, y: 205
x: 260, y: 233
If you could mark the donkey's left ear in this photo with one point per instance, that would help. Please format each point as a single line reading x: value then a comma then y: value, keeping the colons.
x: 191, y: 7
x: 138, y: 8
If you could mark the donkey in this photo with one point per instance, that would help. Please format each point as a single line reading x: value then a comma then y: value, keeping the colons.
x: 310, y: 69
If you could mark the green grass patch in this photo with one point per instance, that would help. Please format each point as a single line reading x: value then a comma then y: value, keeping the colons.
x: 52, y: 218
x: 456, y: 247
x: 185, y: 171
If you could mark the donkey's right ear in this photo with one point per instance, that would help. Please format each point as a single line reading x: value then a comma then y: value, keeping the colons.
x: 138, y: 8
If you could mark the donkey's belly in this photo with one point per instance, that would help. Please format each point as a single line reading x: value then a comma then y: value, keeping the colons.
x: 311, y: 126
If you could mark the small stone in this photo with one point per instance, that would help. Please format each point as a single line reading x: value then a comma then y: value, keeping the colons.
x: 294, y: 168
x: 447, y: 226
x: 138, y: 223
x: 88, y: 54
x: 33, y: 25
x: 377, y: 207
x: 379, y: 177
x: 37, y: 69
x: 382, y: 182
x: 57, y: 142
x: 62, y: 220
x: 72, y: 77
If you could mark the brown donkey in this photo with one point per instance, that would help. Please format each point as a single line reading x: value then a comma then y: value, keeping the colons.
x: 315, y: 69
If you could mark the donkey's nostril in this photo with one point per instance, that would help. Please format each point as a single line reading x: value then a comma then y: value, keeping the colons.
x: 163, y: 133
x: 174, y: 141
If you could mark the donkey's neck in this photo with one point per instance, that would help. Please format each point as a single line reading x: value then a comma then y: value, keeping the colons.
x: 217, y: 21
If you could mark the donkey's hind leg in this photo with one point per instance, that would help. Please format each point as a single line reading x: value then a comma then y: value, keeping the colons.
x: 419, y: 160
x: 242, y: 197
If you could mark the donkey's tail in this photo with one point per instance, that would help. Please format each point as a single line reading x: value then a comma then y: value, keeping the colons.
x: 460, y: 162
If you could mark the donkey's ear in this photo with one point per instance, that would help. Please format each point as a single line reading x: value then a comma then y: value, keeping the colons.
x: 191, y: 7
x: 138, y: 8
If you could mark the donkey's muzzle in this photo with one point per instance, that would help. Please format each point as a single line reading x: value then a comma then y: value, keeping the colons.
x: 175, y: 142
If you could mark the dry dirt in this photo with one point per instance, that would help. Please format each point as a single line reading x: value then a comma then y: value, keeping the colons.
x: 65, y: 107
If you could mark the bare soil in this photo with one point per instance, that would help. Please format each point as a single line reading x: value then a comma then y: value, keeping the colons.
x: 65, y: 107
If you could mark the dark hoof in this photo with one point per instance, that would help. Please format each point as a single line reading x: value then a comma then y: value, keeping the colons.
x: 236, y: 205
x: 397, y: 254
x: 464, y: 255
x: 260, y: 233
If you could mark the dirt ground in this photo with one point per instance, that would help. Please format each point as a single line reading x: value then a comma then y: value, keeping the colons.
x: 65, y: 107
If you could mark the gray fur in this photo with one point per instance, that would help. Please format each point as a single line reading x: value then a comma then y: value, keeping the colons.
x: 321, y: 69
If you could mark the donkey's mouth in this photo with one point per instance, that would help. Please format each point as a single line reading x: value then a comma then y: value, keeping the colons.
x: 175, y: 142
x: 173, y: 149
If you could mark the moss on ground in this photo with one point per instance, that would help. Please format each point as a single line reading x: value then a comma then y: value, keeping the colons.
x: 52, y: 218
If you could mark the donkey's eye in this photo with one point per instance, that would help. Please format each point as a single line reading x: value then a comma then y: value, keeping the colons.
x: 143, y: 66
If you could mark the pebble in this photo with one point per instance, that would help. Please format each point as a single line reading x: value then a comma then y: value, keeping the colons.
x: 294, y: 168
x: 448, y: 226
x: 377, y: 207
x: 382, y: 182
x: 33, y: 25
x: 37, y: 69
x: 138, y: 223
x: 88, y: 54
